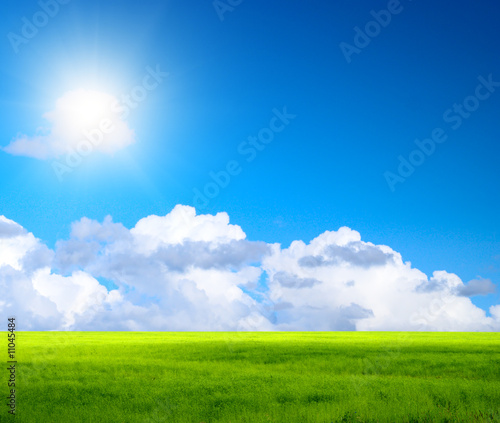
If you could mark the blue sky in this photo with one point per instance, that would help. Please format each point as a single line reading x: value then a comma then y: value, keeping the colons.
x: 227, y: 77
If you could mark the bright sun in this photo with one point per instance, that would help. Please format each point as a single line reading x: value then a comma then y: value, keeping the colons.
x: 83, y: 121
x: 86, y: 108
x: 88, y: 116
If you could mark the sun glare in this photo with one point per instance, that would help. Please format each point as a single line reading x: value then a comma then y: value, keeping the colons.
x: 84, y: 108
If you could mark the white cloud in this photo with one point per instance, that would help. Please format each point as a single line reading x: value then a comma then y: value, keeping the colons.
x: 16, y: 243
x: 340, y: 282
x: 75, y: 295
x: 181, y: 225
x: 185, y: 271
x: 82, y: 121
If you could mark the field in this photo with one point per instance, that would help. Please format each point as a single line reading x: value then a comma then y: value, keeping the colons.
x: 256, y: 377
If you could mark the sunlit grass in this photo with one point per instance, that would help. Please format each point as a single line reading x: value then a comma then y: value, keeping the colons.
x: 257, y: 377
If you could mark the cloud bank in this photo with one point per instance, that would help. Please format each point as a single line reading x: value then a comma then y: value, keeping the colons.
x: 184, y: 271
x: 82, y: 121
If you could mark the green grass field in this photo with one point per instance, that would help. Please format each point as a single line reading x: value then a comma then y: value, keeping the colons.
x: 256, y: 377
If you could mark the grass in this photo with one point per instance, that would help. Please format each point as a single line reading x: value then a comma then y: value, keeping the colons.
x: 256, y: 377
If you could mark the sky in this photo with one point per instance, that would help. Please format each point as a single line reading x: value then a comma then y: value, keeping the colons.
x: 241, y: 165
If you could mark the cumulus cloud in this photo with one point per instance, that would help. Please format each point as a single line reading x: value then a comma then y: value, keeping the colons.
x: 184, y: 271
x: 363, y: 286
x: 356, y: 253
x: 470, y: 289
x: 292, y: 281
x: 477, y: 287
x: 9, y: 228
x: 82, y: 121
